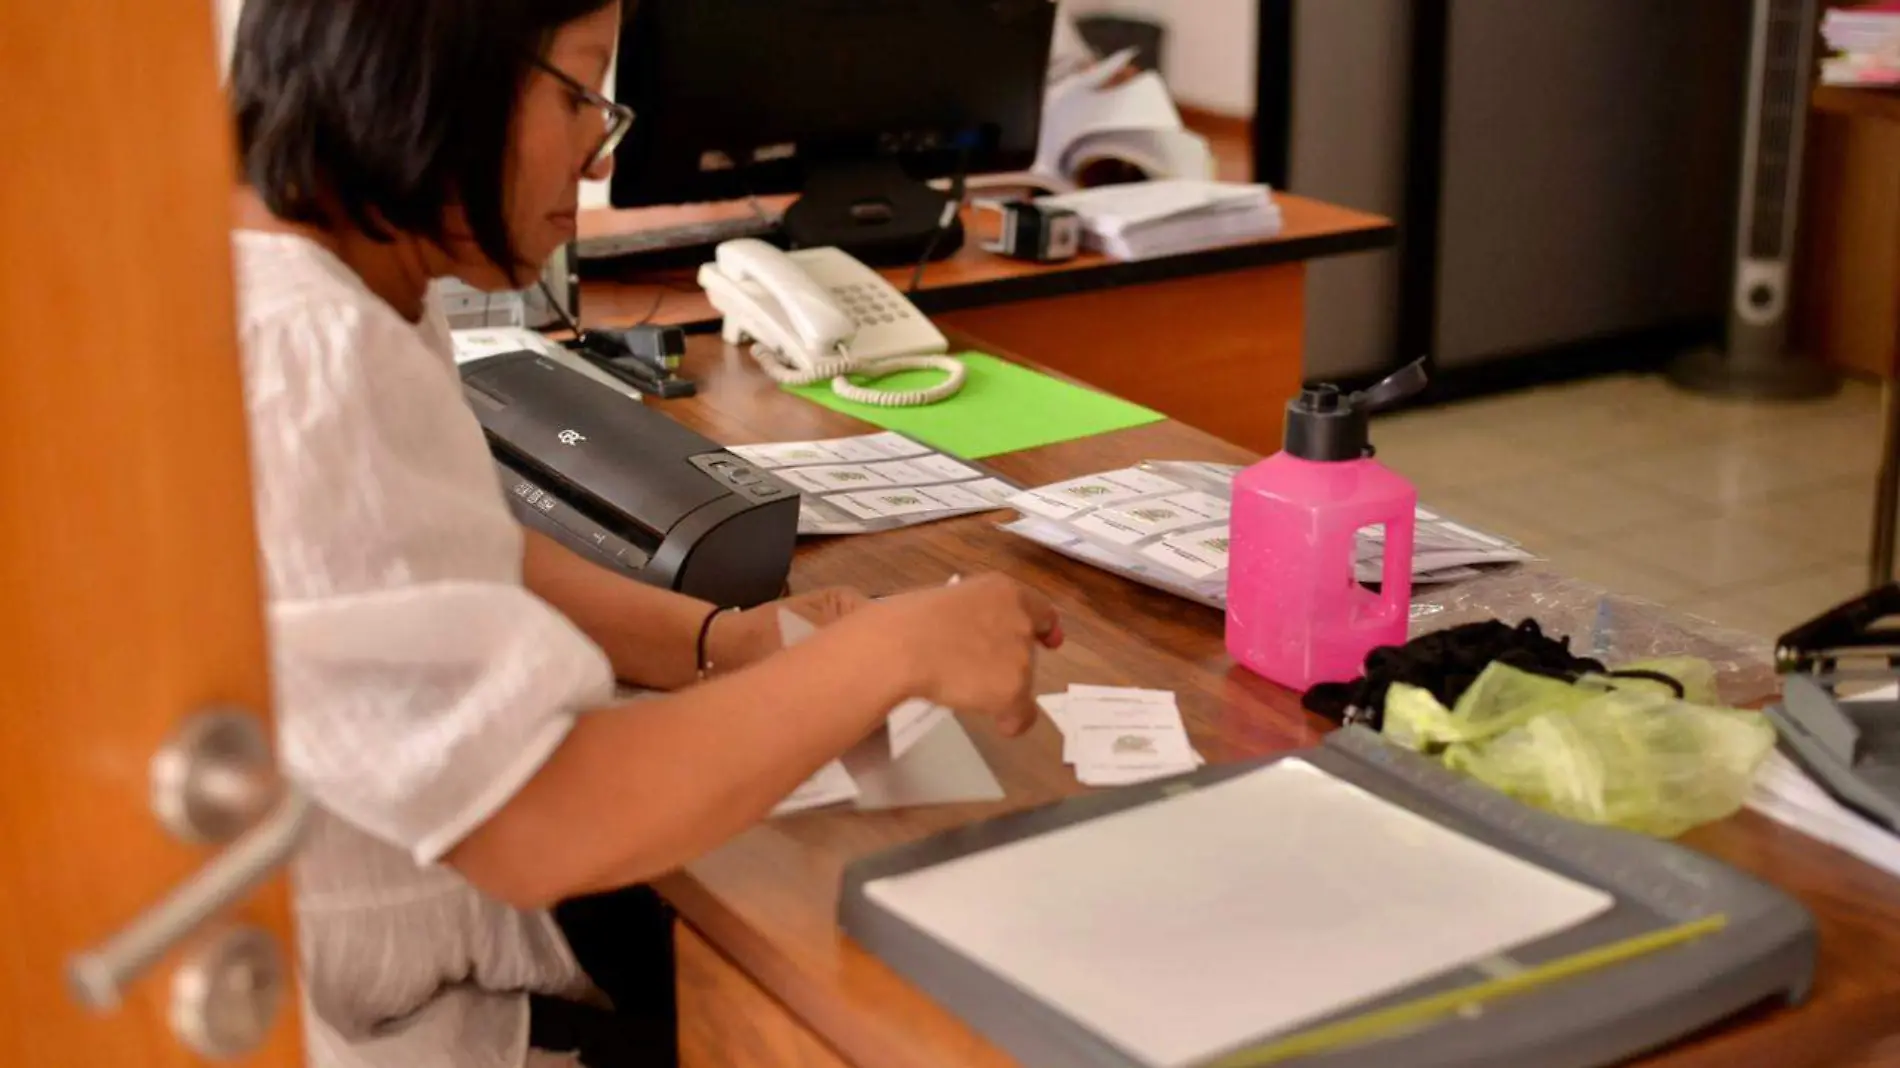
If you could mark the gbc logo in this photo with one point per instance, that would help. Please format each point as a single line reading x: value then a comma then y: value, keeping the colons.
x: 571, y: 437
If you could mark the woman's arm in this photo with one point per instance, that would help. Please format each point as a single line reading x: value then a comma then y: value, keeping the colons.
x: 641, y: 788
x: 637, y: 790
x: 649, y: 634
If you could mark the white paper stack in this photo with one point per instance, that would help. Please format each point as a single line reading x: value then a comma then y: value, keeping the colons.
x: 1095, y: 114
x: 1784, y: 793
x: 473, y: 345
x: 1114, y: 736
x: 1164, y: 524
x: 1168, y: 217
x: 1866, y: 43
x: 480, y: 344
x: 1097, y: 110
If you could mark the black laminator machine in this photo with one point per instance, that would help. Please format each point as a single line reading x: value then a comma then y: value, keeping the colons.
x: 630, y: 488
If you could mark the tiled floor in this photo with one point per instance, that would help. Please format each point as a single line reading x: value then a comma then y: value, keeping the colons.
x: 1754, y: 516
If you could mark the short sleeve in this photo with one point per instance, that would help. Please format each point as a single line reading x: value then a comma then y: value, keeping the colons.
x: 416, y: 713
x: 419, y: 683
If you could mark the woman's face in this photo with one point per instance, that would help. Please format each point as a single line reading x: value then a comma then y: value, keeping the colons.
x: 555, y: 133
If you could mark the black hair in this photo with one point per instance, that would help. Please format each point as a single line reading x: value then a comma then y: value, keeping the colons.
x: 386, y: 112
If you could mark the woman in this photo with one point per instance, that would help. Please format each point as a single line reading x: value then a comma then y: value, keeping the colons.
x: 445, y: 678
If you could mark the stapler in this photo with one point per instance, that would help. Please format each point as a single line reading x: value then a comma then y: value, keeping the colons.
x: 645, y: 357
x: 1851, y: 744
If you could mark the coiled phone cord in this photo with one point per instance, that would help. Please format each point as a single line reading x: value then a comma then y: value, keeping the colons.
x: 839, y: 368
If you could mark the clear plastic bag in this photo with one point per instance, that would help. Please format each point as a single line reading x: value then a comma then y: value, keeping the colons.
x: 1621, y: 752
x: 1604, y: 626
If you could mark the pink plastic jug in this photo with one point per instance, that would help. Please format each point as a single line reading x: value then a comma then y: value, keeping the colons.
x: 1296, y: 612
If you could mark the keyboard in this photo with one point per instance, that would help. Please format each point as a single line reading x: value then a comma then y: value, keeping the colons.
x: 685, y: 245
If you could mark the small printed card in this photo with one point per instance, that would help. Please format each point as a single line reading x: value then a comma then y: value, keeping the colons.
x: 1115, y: 736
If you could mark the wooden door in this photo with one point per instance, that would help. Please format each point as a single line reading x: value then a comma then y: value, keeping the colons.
x: 128, y: 583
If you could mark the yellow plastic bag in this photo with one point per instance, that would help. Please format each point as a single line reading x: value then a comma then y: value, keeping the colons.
x: 1622, y: 752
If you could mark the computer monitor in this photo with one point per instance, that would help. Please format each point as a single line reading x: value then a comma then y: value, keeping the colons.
x: 854, y: 104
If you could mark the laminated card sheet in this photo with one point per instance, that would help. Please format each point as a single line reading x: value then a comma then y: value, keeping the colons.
x: 1190, y: 927
x: 875, y: 482
x: 1164, y: 523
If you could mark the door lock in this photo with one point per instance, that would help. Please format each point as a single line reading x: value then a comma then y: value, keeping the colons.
x: 226, y: 993
x: 215, y: 777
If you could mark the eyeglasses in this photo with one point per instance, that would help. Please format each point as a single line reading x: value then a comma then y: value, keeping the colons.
x: 616, y: 119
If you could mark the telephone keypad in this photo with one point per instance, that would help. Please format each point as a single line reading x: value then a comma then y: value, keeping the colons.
x: 872, y: 305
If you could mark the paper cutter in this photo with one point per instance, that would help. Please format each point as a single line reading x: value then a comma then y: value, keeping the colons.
x: 1765, y: 952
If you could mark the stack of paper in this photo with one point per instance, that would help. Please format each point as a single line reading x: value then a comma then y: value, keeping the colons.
x: 1164, y: 524
x: 1098, y: 115
x: 875, y: 482
x: 1784, y: 793
x: 1866, y: 41
x: 1115, y: 736
x: 1144, y: 220
x: 1097, y: 110
x: 472, y: 346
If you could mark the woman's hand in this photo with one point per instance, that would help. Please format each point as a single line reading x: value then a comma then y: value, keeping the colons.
x: 740, y: 639
x: 972, y: 646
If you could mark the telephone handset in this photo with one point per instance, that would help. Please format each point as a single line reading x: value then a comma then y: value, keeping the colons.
x: 818, y: 314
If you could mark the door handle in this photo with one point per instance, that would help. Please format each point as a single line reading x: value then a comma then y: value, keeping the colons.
x: 99, y: 976
x: 214, y: 777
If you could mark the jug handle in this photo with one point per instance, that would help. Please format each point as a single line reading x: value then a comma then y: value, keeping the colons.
x: 1395, y: 579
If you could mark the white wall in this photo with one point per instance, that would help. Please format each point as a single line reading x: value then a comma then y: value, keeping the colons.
x: 1209, y: 55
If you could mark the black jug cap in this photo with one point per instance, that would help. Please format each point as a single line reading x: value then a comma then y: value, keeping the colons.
x: 1326, y: 425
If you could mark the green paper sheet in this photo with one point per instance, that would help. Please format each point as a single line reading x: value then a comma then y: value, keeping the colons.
x: 1002, y: 408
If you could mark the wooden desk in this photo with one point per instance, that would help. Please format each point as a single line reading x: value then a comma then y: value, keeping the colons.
x: 1213, y: 339
x: 768, y: 900
x: 727, y: 1020
x: 1850, y: 290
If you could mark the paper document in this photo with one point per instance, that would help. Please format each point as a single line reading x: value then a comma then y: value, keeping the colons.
x: 1120, y: 207
x: 1142, y: 220
x: 1177, y: 153
x: 484, y: 342
x: 1185, y: 928
x: 910, y: 722
x: 1786, y: 794
x: 472, y: 345
x: 942, y: 766
x: 1164, y: 524
x: 921, y: 757
x: 1082, y: 108
x: 876, y: 482
x: 1087, y: 115
x: 1867, y: 46
x: 1115, y: 736
x: 830, y: 786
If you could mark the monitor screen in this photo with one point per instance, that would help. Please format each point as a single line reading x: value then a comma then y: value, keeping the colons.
x: 740, y: 98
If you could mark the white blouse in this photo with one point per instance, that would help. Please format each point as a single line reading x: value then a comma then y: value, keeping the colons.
x: 419, y: 684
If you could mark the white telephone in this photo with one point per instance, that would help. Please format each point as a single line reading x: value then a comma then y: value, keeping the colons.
x: 819, y: 314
